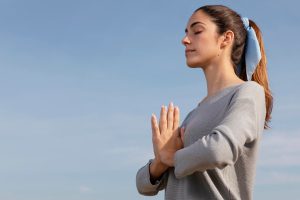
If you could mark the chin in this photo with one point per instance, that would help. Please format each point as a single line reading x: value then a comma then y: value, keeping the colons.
x: 193, y: 64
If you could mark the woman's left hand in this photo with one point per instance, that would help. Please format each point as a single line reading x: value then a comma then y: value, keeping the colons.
x: 166, y: 136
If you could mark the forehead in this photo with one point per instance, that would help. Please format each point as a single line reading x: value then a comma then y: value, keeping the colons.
x: 201, y: 17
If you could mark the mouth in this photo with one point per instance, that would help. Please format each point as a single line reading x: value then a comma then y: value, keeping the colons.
x: 189, y: 51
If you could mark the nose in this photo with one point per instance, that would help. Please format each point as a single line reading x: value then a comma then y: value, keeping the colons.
x: 185, y: 40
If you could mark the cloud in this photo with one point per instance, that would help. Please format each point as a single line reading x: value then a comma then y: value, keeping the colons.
x: 289, y: 107
x: 279, y: 157
x: 84, y: 189
x: 128, y: 157
x: 280, y: 149
x: 278, y: 177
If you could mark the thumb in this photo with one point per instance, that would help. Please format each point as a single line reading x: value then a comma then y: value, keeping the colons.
x: 182, y: 129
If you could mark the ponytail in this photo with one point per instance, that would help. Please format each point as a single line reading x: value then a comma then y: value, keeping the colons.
x: 260, y: 74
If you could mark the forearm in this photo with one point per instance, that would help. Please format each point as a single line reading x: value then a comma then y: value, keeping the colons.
x: 143, y: 183
x: 212, y: 151
x: 157, y: 169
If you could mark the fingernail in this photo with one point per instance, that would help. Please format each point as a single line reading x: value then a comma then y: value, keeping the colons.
x: 171, y: 104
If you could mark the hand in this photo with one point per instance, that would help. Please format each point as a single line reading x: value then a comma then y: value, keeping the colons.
x: 166, y: 137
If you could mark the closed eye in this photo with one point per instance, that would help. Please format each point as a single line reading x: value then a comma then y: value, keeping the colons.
x: 198, y: 32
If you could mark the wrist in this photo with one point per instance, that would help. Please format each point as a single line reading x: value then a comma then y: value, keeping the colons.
x: 167, y: 158
x: 157, y: 168
x: 159, y: 165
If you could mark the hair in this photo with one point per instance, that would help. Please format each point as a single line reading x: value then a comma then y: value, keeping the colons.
x: 227, y: 19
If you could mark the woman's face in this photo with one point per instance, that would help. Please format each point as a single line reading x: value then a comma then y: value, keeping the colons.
x: 201, y: 40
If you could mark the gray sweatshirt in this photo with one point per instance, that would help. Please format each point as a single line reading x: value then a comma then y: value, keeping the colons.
x: 221, y: 141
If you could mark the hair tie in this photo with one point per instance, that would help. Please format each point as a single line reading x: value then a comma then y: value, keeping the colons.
x: 252, y: 50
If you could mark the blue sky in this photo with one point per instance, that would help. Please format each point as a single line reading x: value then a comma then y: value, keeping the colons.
x: 80, y: 79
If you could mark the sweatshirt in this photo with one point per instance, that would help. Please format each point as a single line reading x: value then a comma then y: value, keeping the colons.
x: 221, y: 142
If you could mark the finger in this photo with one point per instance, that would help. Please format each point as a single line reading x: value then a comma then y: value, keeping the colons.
x: 162, y: 120
x: 176, y: 117
x: 170, y: 116
x: 182, y: 134
x: 155, y: 129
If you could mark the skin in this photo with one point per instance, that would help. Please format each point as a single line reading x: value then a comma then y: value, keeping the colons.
x: 166, y: 139
x: 212, y: 53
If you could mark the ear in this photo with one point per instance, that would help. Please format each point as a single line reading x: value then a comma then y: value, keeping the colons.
x: 227, y: 39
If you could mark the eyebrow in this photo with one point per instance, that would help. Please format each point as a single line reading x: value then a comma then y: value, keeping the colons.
x: 193, y: 24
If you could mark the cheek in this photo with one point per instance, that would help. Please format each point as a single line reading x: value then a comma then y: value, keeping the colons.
x: 207, y: 44
x: 206, y: 51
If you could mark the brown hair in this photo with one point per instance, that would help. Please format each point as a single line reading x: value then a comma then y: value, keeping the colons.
x: 227, y: 19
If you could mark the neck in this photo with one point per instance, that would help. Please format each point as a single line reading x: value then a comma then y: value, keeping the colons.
x: 220, y: 75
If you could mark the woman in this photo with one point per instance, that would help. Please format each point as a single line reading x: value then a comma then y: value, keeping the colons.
x: 213, y: 154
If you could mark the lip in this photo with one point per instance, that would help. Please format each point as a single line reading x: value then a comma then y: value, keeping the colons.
x: 189, y: 50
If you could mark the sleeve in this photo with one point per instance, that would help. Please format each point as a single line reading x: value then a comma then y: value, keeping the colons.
x: 243, y: 121
x: 143, y: 184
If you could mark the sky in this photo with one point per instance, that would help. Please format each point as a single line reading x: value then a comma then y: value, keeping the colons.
x: 80, y: 79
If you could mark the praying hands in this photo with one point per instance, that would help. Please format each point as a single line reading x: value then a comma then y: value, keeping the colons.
x: 166, y: 136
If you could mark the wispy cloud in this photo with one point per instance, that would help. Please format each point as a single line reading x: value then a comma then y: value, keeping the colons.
x: 279, y: 158
x: 280, y: 149
x: 128, y: 157
x: 278, y: 177
x: 84, y: 189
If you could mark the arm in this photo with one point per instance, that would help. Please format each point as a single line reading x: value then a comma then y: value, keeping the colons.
x: 156, y: 170
x: 224, y: 144
x: 143, y: 180
x: 153, y: 176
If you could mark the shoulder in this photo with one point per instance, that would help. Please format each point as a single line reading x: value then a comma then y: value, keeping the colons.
x: 250, y: 90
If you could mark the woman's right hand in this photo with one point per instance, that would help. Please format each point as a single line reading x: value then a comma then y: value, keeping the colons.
x: 166, y: 138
